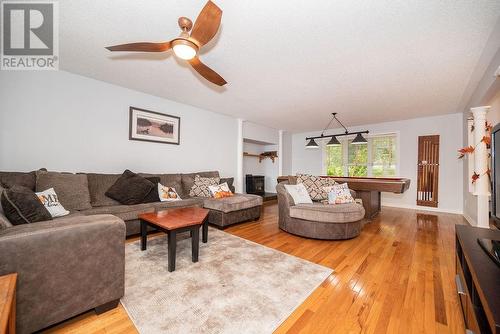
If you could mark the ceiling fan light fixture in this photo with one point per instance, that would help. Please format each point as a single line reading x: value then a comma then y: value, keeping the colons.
x: 184, y: 49
x: 359, y: 140
x: 333, y: 142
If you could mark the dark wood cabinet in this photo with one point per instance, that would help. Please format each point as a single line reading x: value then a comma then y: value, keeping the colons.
x: 477, y: 280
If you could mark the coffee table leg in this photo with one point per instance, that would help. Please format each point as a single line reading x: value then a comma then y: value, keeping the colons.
x: 195, y: 243
x: 204, y: 237
x: 172, y: 243
x: 144, y: 233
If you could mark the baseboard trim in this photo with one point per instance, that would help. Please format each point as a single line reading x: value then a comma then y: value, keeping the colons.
x: 469, y: 219
x: 422, y: 208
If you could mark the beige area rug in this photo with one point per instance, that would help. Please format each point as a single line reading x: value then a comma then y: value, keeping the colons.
x: 236, y: 287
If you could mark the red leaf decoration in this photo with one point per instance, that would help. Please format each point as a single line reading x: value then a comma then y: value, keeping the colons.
x: 487, y: 141
x: 474, y: 177
x: 464, y: 151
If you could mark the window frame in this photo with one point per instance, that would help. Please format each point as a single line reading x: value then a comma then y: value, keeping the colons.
x: 344, y: 140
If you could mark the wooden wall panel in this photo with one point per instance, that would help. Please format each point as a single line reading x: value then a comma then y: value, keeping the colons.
x: 428, y: 170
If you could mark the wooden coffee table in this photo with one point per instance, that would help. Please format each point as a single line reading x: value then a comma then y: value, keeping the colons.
x: 174, y: 221
x: 8, y: 303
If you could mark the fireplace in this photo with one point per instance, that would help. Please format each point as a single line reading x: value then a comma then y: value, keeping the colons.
x: 255, y: 184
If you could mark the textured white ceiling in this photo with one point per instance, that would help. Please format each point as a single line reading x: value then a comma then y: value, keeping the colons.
x: 290, y: 63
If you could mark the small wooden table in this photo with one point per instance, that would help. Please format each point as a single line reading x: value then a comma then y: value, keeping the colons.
x: 8, y: 303
x: 174, y: 221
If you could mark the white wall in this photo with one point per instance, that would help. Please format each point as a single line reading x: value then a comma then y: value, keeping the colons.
x: 260, y: 133
x: 287, y: 153
x: 67, y: 122
x: 449, y: 127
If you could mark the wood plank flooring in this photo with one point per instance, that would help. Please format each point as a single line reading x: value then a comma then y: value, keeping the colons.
x: 396, y: 277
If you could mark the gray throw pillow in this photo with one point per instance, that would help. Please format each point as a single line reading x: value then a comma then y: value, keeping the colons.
x: 130, y: 188
x: 229, y: 181
x: 4, y: 222
x: 22, y: 206
x: 153, y: 195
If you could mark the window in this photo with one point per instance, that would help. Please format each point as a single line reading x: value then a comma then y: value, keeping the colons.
x: 377, y: 158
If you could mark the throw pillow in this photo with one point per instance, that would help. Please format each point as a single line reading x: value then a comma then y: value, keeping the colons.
x: 220, y: 191
x: 130, y: 188
x: 4, y: 222
x: 167, y: 194
x: 72, y: 189
x: 229, y: 181
x: 50, y: 200
x: 201, y: 184
x: 340, y: 194
x: 314, y: 185
x: 299, y: 193
x: 152, y: 196
x: 22, y: 206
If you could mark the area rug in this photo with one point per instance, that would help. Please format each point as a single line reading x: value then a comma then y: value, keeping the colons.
x: 236, y: 287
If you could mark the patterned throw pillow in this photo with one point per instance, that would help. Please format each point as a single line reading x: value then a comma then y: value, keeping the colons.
x: 51, y: 202
x: 167, y: 194
x: 220, y: 191
x: 314, y: 185
x: 201, y: 184
x: 340, y: 194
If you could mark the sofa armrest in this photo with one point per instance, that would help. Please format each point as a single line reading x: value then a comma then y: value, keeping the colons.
x: 65, y: 267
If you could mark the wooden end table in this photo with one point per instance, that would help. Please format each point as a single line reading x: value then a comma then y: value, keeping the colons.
x: 174, y: 221
x: 8, y: 303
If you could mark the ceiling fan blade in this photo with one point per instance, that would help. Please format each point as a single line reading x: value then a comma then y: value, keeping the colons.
x: 207, y: 72
x: 207, y: 23
x: 141, y: 47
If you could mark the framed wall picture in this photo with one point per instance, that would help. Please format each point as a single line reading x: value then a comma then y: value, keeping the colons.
x: 146, y: 125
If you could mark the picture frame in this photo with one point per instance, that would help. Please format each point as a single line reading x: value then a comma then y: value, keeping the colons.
x: 152, y: 126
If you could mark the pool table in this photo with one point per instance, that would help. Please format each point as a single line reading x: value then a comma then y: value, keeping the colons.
x: 369, y: 189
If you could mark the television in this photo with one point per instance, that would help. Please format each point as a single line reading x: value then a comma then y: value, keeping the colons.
x: 495, y: 175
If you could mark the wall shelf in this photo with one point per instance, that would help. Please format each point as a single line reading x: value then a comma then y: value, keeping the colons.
x: 271, y: 155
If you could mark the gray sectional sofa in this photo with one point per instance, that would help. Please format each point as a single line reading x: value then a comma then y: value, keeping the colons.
x: 75, y: 263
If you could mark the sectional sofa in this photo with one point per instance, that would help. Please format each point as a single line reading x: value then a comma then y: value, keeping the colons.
x: 75, y: 263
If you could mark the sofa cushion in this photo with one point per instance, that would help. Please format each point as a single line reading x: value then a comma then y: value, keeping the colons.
x: 130, y: 188
x: 1, y: 191
x: 177, y: 204
x: 9, y: 179
x: 71, y: 189
x: 233, y: 203
x: 328, y: 213
x: 131, y: 212
x: 98, y: 185
x: 124, y: 212
x: 22, y: 206
x: 168, y: 180
x: 188, y: 181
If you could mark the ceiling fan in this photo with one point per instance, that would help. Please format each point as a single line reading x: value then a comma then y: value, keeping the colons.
x: 187, y: 46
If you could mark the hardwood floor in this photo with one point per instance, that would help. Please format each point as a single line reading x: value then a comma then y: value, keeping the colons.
x: 397, y: 276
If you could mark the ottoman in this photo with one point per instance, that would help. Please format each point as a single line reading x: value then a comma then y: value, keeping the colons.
x: 232, y: 210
